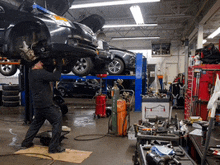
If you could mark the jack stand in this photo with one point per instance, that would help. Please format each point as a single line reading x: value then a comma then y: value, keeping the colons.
x: 175, y: 100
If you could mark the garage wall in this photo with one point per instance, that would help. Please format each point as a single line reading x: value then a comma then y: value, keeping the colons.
x: 168, y: 65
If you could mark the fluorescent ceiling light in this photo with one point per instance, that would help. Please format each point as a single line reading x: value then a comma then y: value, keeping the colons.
x: 110, y: 3
x: 134, y: 38
x: 128, y: 25
x: 136, y: 12
x: 215, y: 33
x: 204, y: 41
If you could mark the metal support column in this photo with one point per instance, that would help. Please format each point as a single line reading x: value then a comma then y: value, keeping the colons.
x: 138, y: 82
x: 144, y: 74
x: 28, y: 106
x: 200, y: 37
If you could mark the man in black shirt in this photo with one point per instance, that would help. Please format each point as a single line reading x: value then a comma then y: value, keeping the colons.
x: 42, y: 96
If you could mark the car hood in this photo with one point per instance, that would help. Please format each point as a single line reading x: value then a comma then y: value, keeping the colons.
x: 94, y: 22
x: 112, y: 48
x: 58, y: 7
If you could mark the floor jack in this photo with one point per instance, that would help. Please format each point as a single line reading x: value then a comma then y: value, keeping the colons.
x: 46, y: 136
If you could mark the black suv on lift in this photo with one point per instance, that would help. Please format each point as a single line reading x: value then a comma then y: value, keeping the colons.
x: 124, y: 61
x: 49, y: 35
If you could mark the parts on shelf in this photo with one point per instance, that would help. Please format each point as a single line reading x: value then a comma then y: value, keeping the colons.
x: 209, y: 54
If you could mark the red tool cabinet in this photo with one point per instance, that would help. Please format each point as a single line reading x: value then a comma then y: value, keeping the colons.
x: 201, y: 81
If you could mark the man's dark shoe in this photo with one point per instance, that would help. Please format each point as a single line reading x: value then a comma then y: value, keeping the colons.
x: 25, y: 146
x: 57, y: 150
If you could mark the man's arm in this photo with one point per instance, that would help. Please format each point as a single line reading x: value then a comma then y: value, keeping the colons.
x: 55, y: 76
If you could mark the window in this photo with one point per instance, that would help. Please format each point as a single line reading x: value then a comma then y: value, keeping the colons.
x: 161, y: 49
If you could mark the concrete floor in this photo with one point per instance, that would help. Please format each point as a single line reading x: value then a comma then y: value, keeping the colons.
x: 105, y: 151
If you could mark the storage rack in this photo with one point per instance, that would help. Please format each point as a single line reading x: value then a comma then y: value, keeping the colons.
x: 139, y: 78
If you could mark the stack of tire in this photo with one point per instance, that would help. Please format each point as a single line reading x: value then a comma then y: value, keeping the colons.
x: 10, y: 95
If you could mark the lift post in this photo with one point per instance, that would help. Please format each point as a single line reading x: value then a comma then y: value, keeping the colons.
x: 28, y: 104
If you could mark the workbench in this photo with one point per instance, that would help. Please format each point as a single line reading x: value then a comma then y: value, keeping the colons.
x: 196, y: 149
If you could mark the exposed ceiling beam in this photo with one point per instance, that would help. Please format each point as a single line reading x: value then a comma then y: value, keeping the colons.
x: 205, y: 19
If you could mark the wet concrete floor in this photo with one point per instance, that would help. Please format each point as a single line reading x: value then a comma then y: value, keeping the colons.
x: 80, y: 118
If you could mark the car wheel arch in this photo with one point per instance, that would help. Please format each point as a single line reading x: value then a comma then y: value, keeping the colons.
x: 118, y: 56
x: 123, y: 67
x: 34, y: 26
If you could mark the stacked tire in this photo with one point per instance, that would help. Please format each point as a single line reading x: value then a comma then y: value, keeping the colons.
x: 10, y: 95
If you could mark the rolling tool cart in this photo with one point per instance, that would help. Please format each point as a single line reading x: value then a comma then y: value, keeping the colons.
x: 162, y: 153
x: 154, y: 130
x: 152, y: 107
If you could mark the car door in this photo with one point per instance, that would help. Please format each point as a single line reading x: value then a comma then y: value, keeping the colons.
x: 80, y: 87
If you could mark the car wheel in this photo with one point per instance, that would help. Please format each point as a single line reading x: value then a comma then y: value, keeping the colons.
x: 116, y: 67
x: 8, y: 70
x: 62, y: 91
x: 82, y: 67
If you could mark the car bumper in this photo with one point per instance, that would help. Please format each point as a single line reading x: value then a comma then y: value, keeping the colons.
x: 76, y: 50
x: 104, y: 56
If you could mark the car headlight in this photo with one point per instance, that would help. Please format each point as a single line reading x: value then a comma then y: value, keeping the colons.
x: 61, y: 20
x: 89, y: 32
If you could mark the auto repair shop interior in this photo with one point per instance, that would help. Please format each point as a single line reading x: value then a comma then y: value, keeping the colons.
x: 139, y: 83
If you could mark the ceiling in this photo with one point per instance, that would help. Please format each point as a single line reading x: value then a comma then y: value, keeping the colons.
x: 176, y: 20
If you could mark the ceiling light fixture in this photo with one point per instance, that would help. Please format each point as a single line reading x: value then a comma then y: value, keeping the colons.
x: 215, y: 33
x: 136, y: 12
x: 204, y: 41
x: 128, y: 25
x: 110, y: 3
x: 134, y: 38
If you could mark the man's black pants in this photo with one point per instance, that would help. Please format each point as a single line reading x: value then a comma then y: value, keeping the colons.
x: 54, y: 116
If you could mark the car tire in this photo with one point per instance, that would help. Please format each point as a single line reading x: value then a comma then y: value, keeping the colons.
x: 8, y: 70
x: 10, y: 98
x: 10, y: 87
x: 10, y: 93
x: 116, y: 67
x: 62, y: 91
x: 83, y: 67
x: 10, y: 103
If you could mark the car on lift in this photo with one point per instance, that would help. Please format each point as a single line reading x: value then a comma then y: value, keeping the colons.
x: 123, y: 62
x: 80, y: 87
x: 94, y: 65
x: 44, y: 32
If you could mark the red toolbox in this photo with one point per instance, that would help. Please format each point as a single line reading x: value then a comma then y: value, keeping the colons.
x: 201, y: 81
